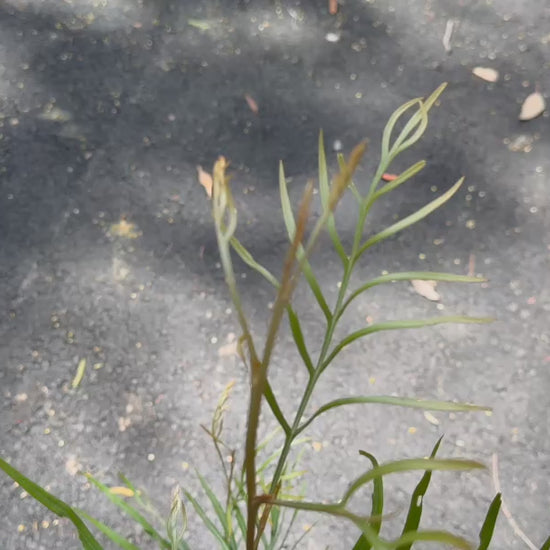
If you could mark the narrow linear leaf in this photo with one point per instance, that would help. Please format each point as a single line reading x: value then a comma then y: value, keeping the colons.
x: 55, y: 505
x: 442, y: 537
x: 412, y: 219
x: 417, y: 500
x: 207, y: 521
x: 275, y: 409
x: 239, y: 517
x: 298, y: 336
x: 218, y: 508
x: 290, y: 224
x: 419, y: 119
x: 402, y: 178
x: 130, y: 511
x: 247, y: 258
x: 408, y: 465
x: 395, y: 116
x: 111, y: 534
x: 399, y: 325
x: 377, y: 506
x: 412, y: 132
x: 410, y: 276
x: 488, y: 527
x: 412, y: 403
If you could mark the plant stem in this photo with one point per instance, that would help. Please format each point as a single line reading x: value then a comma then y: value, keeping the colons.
x: 365, y: 207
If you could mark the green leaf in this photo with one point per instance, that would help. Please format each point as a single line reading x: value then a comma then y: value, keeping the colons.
x: 324, y: 189
x: 409, y: 465
x: 546, y: 544
x: 377, y: 507
x: 402, y: 178
x: 111, y: 534
x: 418, y: 122
x: 130, y: 511
x: 290, y: 224
x: 298, y: 336
x: 395, y: 116
x: 409, y: 276
x: 247, y: 258
x: 413, y: 403
x: 442, y: 537
x: 207, y: 522
x: 398, y: 325
x: 488, y: 527
x: 275, y: 409
x: 218, y: 508
x: 53, y: 504
x: 176, y: 524
x: 412, y: 219
x: 417, y: 500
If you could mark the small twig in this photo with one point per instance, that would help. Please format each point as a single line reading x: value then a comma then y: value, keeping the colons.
x: 506, y: 511
x: 449, y: 28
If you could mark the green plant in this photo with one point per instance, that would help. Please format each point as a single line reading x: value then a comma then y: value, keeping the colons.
x: 257, y: 496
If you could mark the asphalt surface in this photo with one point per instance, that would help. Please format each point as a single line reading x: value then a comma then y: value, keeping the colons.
x: 107, y: 108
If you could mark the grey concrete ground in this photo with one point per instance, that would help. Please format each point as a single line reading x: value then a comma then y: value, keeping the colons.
x: 108, y: 106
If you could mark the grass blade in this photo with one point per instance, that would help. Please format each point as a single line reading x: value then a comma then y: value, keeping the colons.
x: 290, y: 224
x: 207, y: 522
x: 218, y: 508
x: 417, y: 500
x: 377, y: 507
x: 325, y: 194
x: 409, y: 465
x: 488, y: 527
x: 412, y: 403
x: 55, y: 505
x: 298, y: 336
x: 111, y: 534
x: 412, y: 219
x: 442, y: 537
x: 410, y: 276
x: 130, y: 511
x: 398, y: 325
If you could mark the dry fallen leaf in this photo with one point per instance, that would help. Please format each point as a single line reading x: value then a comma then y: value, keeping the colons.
x: 431, y: 418
x: 72, y: 466
x: 205, y: 179
x: 81, y: 368
x: 124, y: 229
x: 121, y: 491
x: 389, y: 177
x: 251, y: 102
x: 532, y: 107
x: 486, y: 73
x: 426, y: 289
x: 229, y: 350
